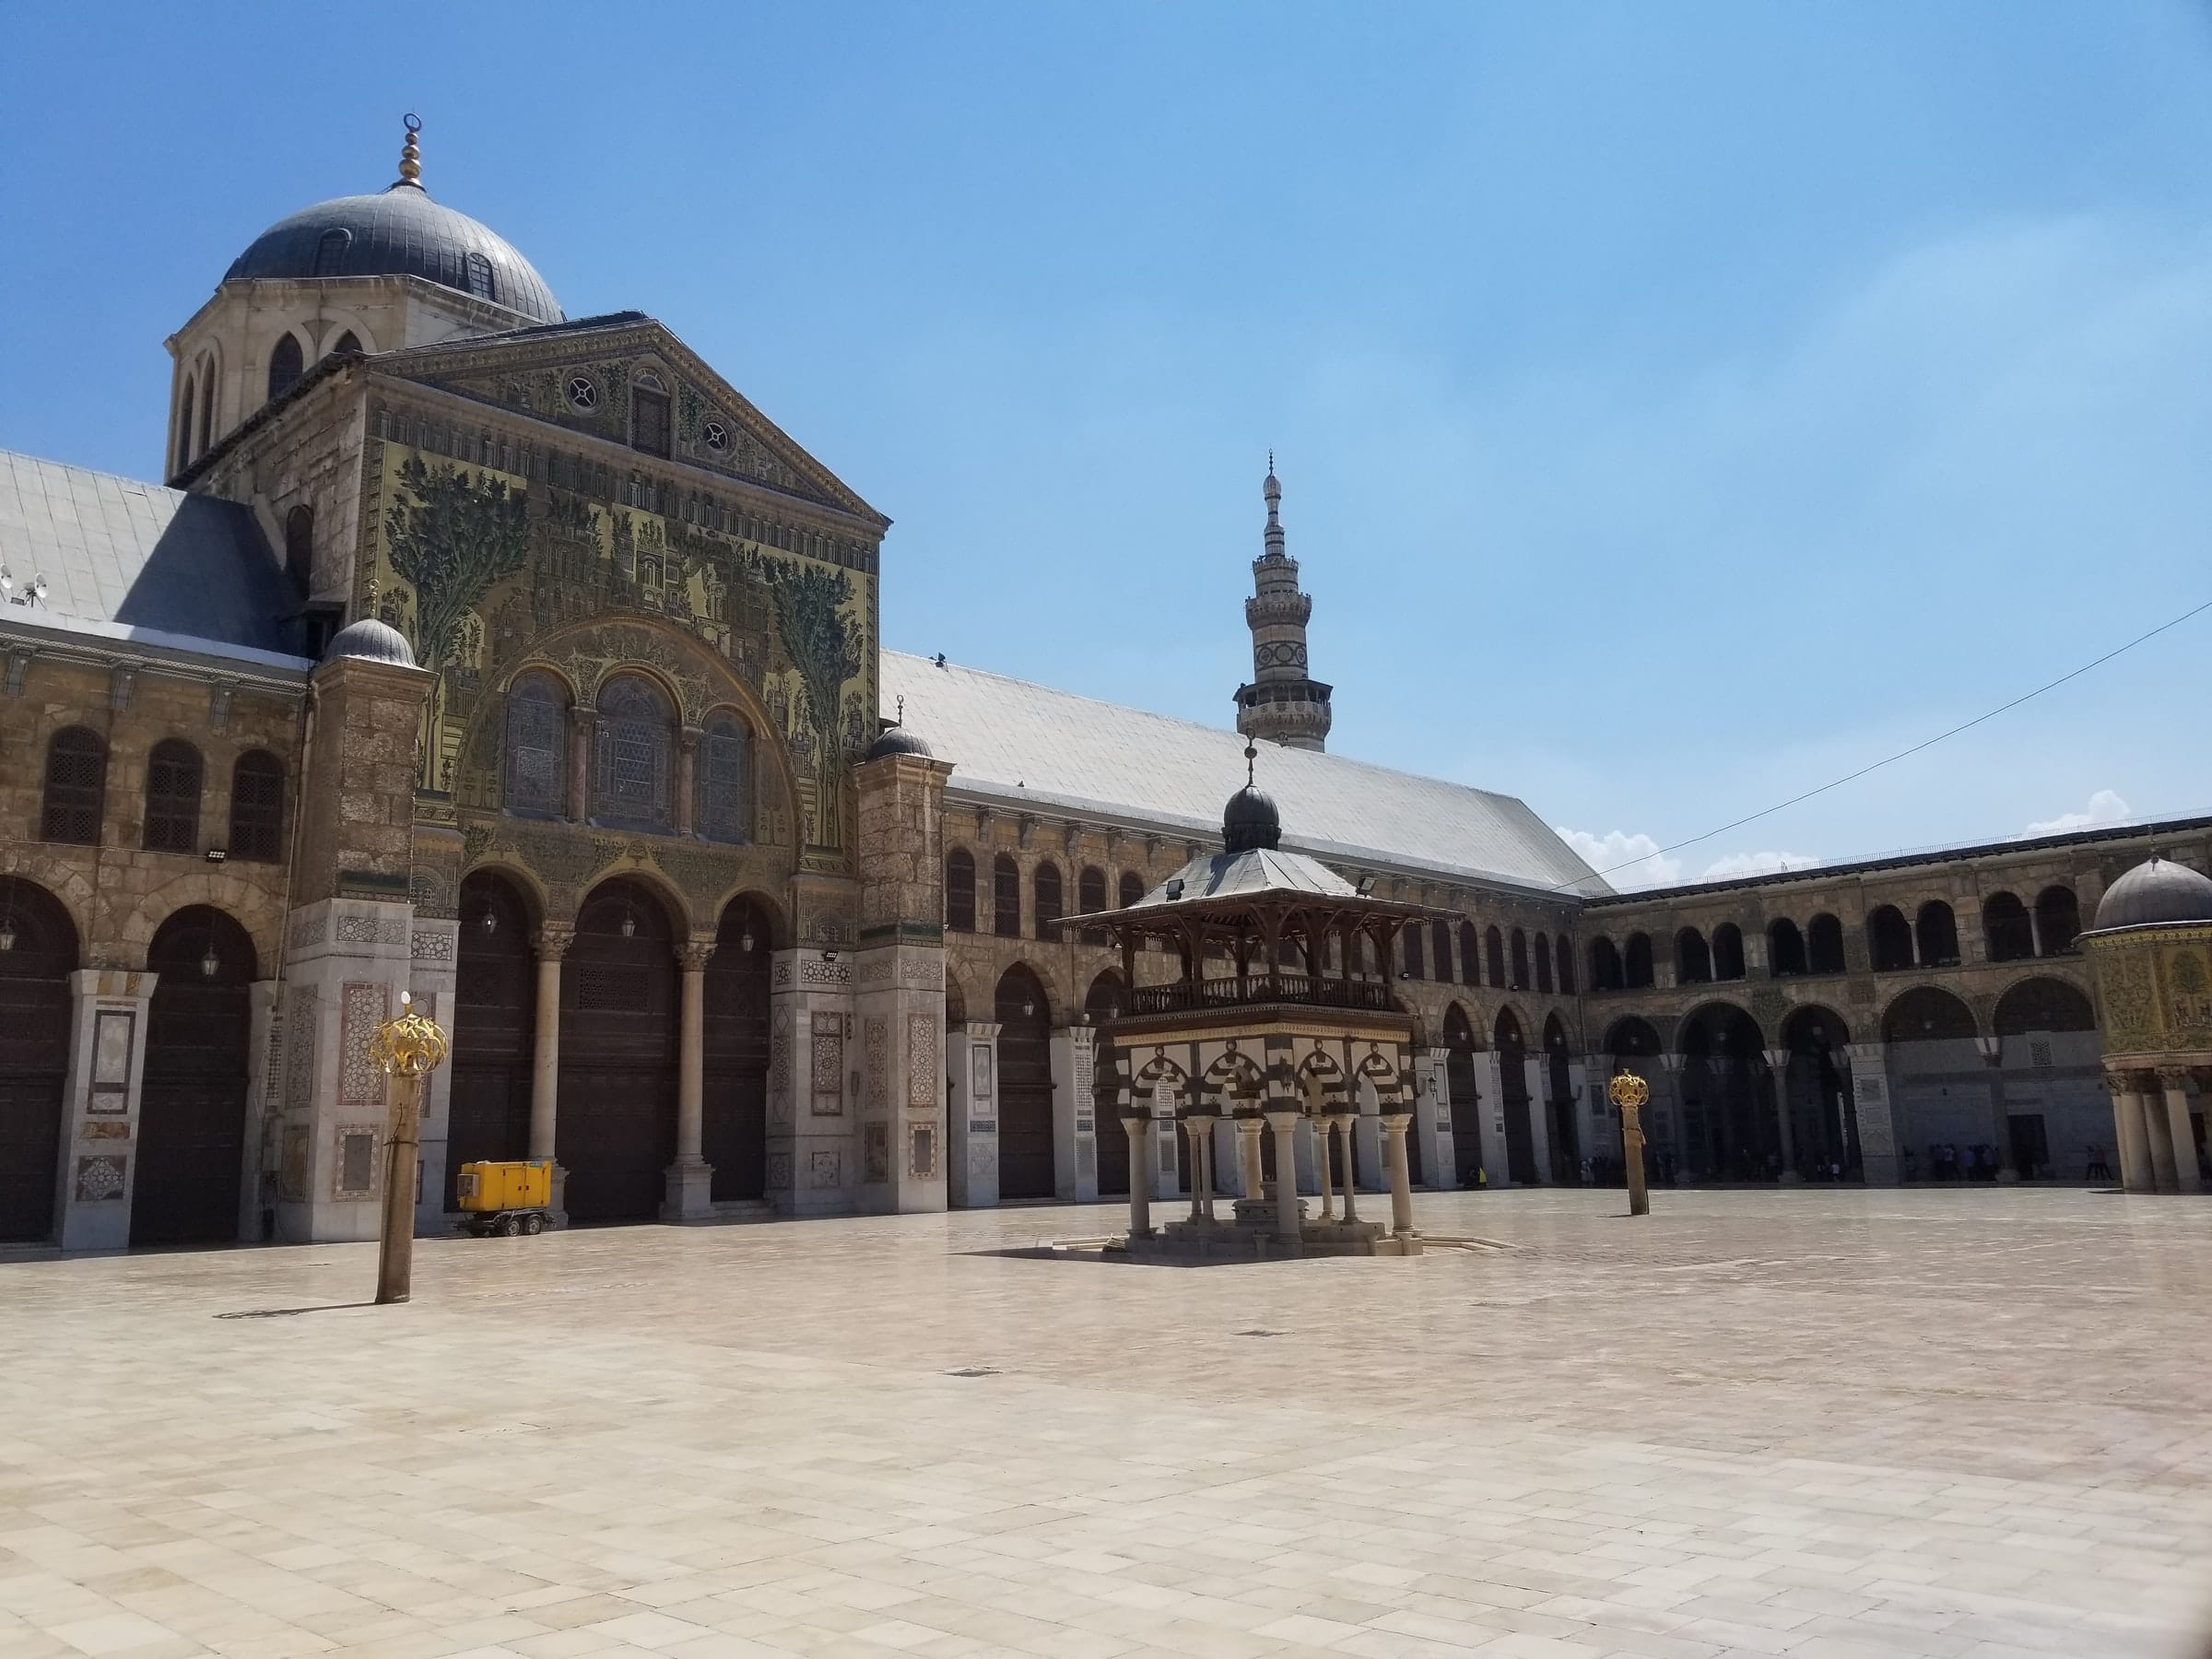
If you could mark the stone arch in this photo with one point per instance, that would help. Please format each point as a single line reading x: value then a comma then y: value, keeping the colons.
x: 522, y: 878
x: 1730, y: 1126
x: 242, y: 901
x: 1693, y: 958
x: 1605, y: 965
x: 1928, y: 1014
x: 62, y: 881
x: 674, y: 907
x: 1237, y: 1077
x: 1106, y: 996
x: 1814, y: 1022
x: 1631, y: 1037
x: 198, y: 1073
x: 2043, y: 1002
x: 1636, y: 962
x: 1722, y: 1007
x: 36, y: 1018
x: 772, y: 910
x: 956, y: 1000
x: 1822, y: 1114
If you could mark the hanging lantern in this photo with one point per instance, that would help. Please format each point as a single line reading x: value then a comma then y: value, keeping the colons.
x: 745, y: 941
x: 630, y: 925
x: 7, y: 933
x: 1029, y: 1007
x: 210, y: 964
x: 491, y: 920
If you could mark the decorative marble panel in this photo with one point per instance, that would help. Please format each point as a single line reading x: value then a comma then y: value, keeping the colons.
x: 826, y: 1168
x: 923, y: 1084
x: 100, y: 1177
x: 875, y: 1153
x: 364, y: 1006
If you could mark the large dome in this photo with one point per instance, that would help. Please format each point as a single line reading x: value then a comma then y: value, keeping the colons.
x: 400, y: 232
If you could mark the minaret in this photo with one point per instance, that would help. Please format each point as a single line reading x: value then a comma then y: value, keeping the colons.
x: 1282, y: 704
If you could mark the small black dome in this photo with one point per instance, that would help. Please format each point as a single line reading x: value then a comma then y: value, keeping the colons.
x: 2156, y: 890
x: 1251, y: 820
x: 371, y: 641
x: 399, y: 232
x: 898, y: 740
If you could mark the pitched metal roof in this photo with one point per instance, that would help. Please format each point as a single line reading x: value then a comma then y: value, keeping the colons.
x: 127, y: 560
x: 1015, y: 744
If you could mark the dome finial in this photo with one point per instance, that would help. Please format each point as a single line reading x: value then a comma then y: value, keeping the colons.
x: 1252, y: 753
x: 410, y: 154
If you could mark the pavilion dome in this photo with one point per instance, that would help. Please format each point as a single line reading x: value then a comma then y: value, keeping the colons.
x: 898, y: 740
x: 1251, y: 820
x: 2156, y: 890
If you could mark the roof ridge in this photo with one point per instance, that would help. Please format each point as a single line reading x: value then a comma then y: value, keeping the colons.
x: 1199, y: 725
x: 98, y: 472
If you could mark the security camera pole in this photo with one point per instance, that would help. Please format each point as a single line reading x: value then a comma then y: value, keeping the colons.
x: 409, y: 1048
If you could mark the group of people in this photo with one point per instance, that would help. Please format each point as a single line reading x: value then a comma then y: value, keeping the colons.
x: 1946, y: 1161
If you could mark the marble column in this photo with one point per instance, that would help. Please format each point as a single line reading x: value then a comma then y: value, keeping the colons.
x: 1324, y: 1162
x: 545, y: 1056
x: 2173, y: 1081
x: 1778, y: 1075
x: 1394, y: 1126
x: 2157, y: 1136
x: 1248, y: 1129
x: 1341, y: 1122
x: 2131, y: 1139
x: 1138, y: 1127
x: 687, y: 780
x: 1285, y: 1126
x: 1202, y: 1166
x: 690, y: 1191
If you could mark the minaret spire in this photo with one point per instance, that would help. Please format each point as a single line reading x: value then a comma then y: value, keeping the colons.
x: 410, y: 157
x: 1282, y: 702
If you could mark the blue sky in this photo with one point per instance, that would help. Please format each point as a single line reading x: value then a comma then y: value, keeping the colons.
x: 1676, y: 407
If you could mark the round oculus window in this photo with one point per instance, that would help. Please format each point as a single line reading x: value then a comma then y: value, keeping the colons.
x: 716, y: 434
x: 582, y: 393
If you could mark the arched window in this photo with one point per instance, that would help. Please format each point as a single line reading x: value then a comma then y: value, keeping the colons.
x: 1727, y: 951
x: 1048, y: 907
x: 257, y: 807
x: 1566, y: 950
x: 300, y: 548
x: 1520, y: 980
x: 76, y: 778
x: 476, y: 269
x: 1605, y: 965
x: 2007, y: 933
x: 1132, y: 889
x: 724, y: 803
x: 206, y: 409
x: 1493, y: 956
x: 285, y: 365
x: 649, y: 424
x: 1938, y: 930
x: 1693, y: 961
x: 959, y: 890
x: 1090, y: 899
x: 1439, y: 947
x: 1635, y: 972
x: 186, y: 409
x: 1824, y: 946
x: 1414, y: 968
x: 1543, y: 951
x: 1006, y: 897
x: 1470, y: 954
x: 172, y: 797
x: 1786, y: 948
x: 637, y: 730
x: 535, y: 767
x: 1889, y: 940
x: 348, y: 341
x: 2057, y: 920
x: 330, y: 250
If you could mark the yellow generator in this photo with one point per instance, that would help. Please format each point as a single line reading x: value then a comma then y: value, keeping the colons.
x: 505, y: 1198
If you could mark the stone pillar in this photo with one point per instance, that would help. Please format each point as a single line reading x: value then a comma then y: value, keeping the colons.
x: 1201, y: 1128
x: 1137, y: 1126
x: 107, y: 1064
x: 1433, y: 1119
x: 1074, y: 1129
x: 687, y: 780
x: 582, y: 724
x: 552, y: 944
x: 435, y: 945
x: 1342, y: 1124
x: 974, y: 1057
x: 2174, y: 1083
x: 1489, y: 1091
x: 264, y: 1110
x: 1285, y: 1126
x: 1539, y: 1114
x: 1778, y: 1074
x: 1324, y: 1164
x: 2130, y: 1135
x: 1991, y: 1050
x: 1165, y: 1131
x: 1249, y: 1128
x: 690, y: 1195
x: 1869, y: 1098
x: 817, y: 1154
x: 2157, y: 1137
x: 1394, y: 1126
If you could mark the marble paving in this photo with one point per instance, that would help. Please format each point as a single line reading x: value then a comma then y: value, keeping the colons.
x: 1974, y: 1424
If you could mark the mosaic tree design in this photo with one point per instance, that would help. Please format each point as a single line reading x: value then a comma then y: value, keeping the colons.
x: 827, y: 648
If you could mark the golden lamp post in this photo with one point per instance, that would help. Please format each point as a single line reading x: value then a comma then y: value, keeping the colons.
x: 409, y: 1049
x: 1629, y: 1093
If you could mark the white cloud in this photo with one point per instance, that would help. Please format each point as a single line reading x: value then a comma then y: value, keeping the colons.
x: 2105, y: 807
x: 1758, y: 864
x: 1609, y: 852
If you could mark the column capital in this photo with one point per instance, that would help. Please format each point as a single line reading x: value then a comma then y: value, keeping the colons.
x: 1284, y: 1120
x: 1397, y: 1122
x: 552, y: 942
x: 693, y: 954
x: 2124, y: 1079
x: 687, y: 738
x: 2174, y: 1079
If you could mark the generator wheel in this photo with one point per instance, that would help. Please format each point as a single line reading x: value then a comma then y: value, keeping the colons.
x: 509, y: 1226
x: 533, y: 1224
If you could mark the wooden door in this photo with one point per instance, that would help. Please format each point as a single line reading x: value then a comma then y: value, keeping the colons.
x: 615, y: 1132
x: 192, y: 1114
x: 495, y: 1024
x: 1024, y: 1089
x: 733, y: 1133
x: 34, y: 1055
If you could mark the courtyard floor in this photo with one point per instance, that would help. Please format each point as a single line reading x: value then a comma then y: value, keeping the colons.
x: 1834, y: 1425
